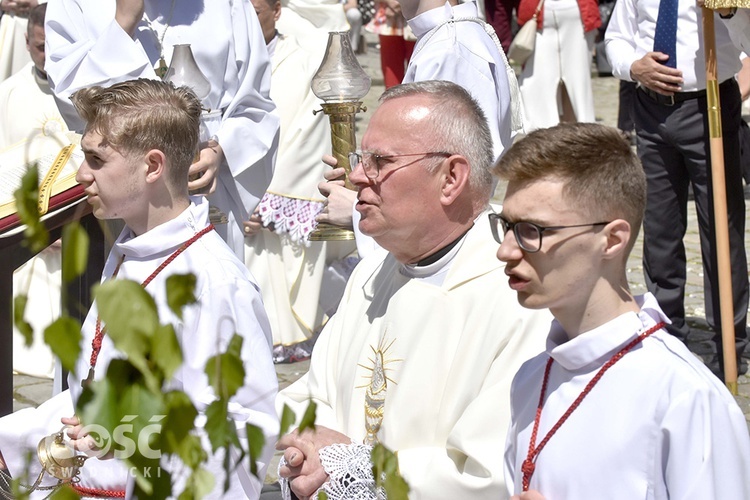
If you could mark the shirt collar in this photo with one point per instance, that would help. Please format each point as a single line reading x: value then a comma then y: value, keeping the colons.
x: 167, y: 236
x: 597, y: 345
x: 425, y: 21
x: 272, y: 45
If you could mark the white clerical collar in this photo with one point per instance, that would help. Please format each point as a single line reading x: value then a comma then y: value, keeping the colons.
x: 166, y: 236
x: 602, y: 342
x: 425, y: 21
x: 435, y: 272
x: 271, y: 46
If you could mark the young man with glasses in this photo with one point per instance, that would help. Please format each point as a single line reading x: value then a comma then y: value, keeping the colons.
x: 420, y: 353
x: 616, y: 407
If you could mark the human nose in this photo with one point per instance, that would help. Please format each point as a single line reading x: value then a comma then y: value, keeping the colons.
x: 357, y: 175
x: 83, y: 175
x: 509, y: 249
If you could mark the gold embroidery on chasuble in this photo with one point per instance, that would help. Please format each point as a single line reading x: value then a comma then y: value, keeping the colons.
x: 377, y: 388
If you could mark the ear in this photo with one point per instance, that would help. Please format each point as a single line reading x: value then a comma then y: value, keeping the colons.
x: 276, y: 11
x: 155, y: 165
x: 618, y: 235
x: 455, y: 178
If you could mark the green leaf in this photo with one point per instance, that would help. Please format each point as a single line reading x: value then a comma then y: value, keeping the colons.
x: 27, y: 199
x: 129, y: 313
x: 157, y: 481
x: 308, y: 419
x: 219, y: 428
x: 75, y: 251
x: 199, y: 485
x: 140, y: 413
x: 23, y: 326
x: 64, y: 493
x: 166, y: 350
x: 27, y: 196
x: 255, y: 443
x: 180, y: 292
x: 100, y: 405
x: 130, y: 316
x: 191, y: 451
x: 287, y: 419
x: 225, y: 371
x: 179, y: 421
x: 386, y: 473
x: 63, y: 336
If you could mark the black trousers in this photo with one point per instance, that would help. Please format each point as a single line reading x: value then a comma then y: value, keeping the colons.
x: 673, y: 145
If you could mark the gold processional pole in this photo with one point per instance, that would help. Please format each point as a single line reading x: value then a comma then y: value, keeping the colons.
x: 716, y: 143
x: 341, y: 83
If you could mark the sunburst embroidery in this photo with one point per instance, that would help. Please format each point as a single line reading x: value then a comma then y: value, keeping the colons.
x: 377, y: 388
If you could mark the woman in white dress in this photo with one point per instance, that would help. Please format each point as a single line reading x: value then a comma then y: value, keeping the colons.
x: 556, y: 80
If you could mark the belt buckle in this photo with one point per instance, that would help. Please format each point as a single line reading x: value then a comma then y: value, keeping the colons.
x: 669, y: 101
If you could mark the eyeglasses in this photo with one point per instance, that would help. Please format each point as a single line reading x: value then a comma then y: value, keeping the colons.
x: 528, y: 235
x: 371, y: 162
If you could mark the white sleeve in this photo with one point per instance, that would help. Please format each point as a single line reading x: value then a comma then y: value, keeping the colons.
x: 620, y: 39
x: 249, y: 131
x: 705, y: 449
x: 79, y: 52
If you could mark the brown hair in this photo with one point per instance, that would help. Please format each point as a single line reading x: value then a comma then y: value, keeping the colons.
x: 139, y: 115
x: 602, y: 174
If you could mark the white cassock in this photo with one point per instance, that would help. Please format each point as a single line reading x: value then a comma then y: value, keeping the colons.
x: 463, y: 53
x: 437, y: 346
x: 309, y: 21
x: 85, y: 46
x: 13, y: 52
x: 27, y: 108
x: 28, y: 113
x: 228, y: 302
x: 290, y: 269
x: 658, y: 425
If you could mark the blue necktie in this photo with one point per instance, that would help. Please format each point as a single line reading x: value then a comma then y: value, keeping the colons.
x: 665, y: 35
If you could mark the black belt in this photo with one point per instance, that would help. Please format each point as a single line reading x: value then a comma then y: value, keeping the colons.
x: 678, y: 97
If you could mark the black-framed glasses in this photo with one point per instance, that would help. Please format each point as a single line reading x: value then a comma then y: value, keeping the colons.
x: 528, y: 235
x: 372, y: 162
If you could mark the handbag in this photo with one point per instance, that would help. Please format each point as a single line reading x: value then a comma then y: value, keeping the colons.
x: 523, y: 43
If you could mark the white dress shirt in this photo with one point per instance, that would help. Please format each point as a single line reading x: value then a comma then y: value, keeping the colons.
x: 630, y: 35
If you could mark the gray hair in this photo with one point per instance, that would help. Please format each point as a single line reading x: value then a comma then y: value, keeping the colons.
x: 457, y: 125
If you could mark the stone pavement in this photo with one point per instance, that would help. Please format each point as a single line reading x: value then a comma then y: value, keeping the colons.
x: 29, y: 391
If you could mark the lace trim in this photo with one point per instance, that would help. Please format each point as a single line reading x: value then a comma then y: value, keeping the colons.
x: 291, y: 216
x: 350, y: 474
